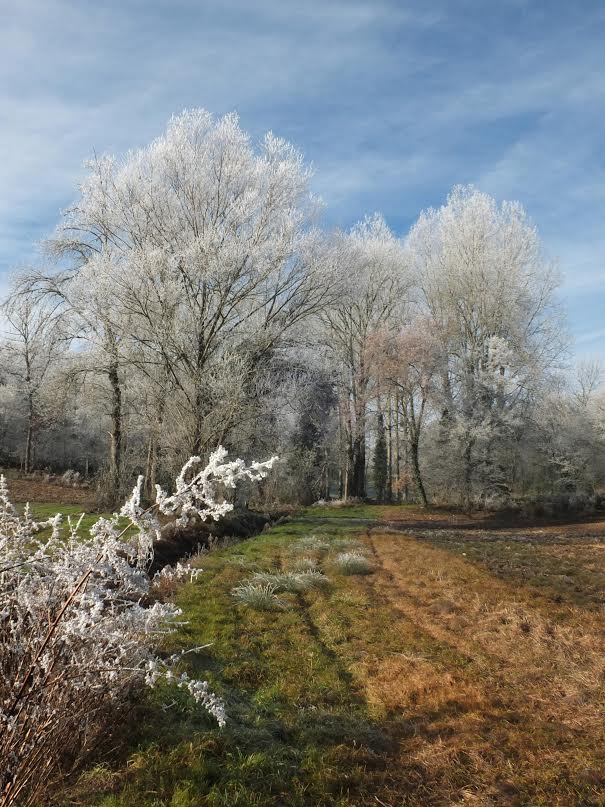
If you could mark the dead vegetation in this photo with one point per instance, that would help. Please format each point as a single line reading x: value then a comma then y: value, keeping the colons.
x: 504, y: 704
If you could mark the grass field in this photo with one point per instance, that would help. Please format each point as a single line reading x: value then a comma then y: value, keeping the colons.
x: 467, y: 669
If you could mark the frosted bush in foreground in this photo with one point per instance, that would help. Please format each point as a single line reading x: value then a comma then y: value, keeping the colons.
x: 353, y: 563
x: 78, y: 622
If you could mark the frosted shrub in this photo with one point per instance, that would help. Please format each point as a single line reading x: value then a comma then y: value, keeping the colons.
x: 313, y: 578
x: 71, y: 479
x: 353, y: 563
x: 78, y: 622
x: 166, y: 582
x: 258, y: 595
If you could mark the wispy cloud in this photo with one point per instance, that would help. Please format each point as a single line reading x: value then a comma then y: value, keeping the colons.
x: 393, y: 102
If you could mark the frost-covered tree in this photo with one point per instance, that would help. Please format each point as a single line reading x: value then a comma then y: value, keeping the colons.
x: 204, y: 244
x: 489, y: 293
x: 369, y: 270
x: 34, y: 344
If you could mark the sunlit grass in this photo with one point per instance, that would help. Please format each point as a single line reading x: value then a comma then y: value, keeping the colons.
x: 41, y: 511
x: 377, y: 688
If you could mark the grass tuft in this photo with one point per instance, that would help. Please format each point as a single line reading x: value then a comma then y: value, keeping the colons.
x: 312, y: 543
x: 291, y: 582
x: 353, y: 563
x: 262, y: 596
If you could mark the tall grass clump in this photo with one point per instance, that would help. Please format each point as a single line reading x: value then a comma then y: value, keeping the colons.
x: 292, y: 582
x: 259, y: 595
x: 311, y: 543
x: 349, y: 563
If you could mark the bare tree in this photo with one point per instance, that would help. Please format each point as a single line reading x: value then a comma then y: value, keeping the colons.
x: 34, y: 345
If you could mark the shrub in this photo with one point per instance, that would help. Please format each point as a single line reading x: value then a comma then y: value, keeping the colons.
x: 78, y: 622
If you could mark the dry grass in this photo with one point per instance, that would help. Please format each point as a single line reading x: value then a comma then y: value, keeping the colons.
x: 468, y: 669
x: 508, y: 704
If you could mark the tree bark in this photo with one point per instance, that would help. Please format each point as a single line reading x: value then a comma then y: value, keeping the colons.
x: 115, y: 435
x: 357, y: 487
x: 415, y: 452
x: 27, y: 461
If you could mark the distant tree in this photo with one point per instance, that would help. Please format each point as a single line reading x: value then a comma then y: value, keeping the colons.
x: 34, y: 344
x: 369, y: 272
x: 309, y: 441
x: 489, y: 294
x: 407, y: 363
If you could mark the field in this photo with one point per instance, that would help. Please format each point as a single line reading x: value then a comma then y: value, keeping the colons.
x: 468, y: 668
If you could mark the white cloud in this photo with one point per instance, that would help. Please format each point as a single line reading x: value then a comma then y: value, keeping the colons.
x: 393, y: 102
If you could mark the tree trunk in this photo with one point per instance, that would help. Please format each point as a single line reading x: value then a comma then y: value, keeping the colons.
x: 196, y: 446
x: 151, y: 465
x: 390, y: 450
x: 414, y: 451
x: 357, y: 487
x: 468, y: 475
x: 397, y: 450
x: 153, y: 451
x: 115, y: 435
x: 27, y: 462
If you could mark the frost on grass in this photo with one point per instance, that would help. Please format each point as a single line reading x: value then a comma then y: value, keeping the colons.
x: 312, y: 543
x: 79, y: 623
x: 353, y: 563
x: 260, y: 595
x: 305, y: 564
x: 291, y: 582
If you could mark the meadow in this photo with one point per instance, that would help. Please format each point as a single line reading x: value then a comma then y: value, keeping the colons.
x: 465, y: 666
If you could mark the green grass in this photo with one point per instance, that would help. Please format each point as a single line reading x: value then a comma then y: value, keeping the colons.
x: 298, y: 731
x: 386, y: 688
x: 41, y: 511
x: 365, y: 511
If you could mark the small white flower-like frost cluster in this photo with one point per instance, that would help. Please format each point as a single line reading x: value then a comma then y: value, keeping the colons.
x: 197, y: 488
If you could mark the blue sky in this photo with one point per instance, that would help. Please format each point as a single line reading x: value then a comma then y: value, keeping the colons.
x: 392, y: 102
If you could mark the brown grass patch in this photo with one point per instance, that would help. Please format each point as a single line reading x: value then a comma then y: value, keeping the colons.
x: 507, y: 704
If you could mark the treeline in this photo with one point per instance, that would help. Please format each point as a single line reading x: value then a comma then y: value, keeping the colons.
x: 189, y: 298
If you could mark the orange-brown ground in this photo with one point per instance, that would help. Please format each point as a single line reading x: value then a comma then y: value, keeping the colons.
x: 36, y: 490
x: 505, y: 696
